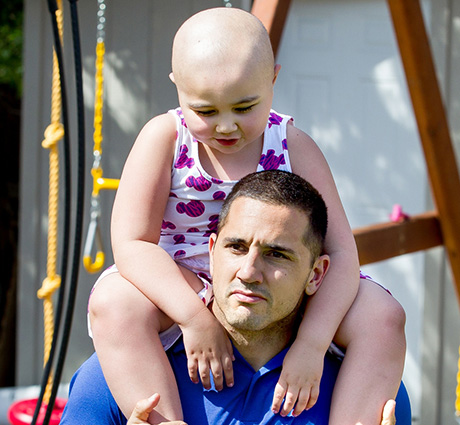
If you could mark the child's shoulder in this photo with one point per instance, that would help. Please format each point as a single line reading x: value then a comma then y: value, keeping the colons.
x: 163, y: 123
x: 157, y: 138
x: 303, y: 150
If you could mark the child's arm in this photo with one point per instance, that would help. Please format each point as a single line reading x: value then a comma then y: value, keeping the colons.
x: 303, y: 365
x: 136, y: 225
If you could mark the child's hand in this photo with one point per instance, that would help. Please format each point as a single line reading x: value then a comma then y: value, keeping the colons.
x: 208, y: 350
x: 299, y: 381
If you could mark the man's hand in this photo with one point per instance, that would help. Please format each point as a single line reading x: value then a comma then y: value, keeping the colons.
x: 299, y: 381
x: 388, y: 417
x: 143, y: 409
x: 208, y: 350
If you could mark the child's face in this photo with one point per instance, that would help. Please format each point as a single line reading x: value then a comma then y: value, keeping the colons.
x: 227, y: 107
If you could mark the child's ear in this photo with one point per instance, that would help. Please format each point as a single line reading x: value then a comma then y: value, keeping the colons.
x: 171, y: 77
x: 212, y: 242
x: 277, y: 71
x: 317, y: 274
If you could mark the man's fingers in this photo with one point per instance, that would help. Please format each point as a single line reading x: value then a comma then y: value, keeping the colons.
x: 388, y: 417
x: 143, y: 409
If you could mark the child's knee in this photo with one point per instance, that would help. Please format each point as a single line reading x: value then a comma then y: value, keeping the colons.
x: 386, y: 318
x: 374, y: 315
x: 117, y: 303
x: 393, y: 315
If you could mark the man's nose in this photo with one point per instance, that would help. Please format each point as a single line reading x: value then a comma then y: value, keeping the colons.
x: 226, y: 124
x: 250, y: 269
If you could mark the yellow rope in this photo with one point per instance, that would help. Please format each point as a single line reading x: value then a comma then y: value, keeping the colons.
x: 53, y: 134
x: 457, y: 400
x: 98, y: 103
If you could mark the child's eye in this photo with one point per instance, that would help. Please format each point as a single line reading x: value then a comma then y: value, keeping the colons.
x: 244, y: 109
x: 205, y: 113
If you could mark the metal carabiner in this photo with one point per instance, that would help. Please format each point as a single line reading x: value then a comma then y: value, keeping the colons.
x: 94, y: 237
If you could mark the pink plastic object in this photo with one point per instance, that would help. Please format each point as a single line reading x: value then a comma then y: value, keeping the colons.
x: 22, y: 412
x: 397, y: 214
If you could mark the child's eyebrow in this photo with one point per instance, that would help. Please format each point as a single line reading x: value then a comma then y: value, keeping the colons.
x: 248, y: 99
x: 198, y: 105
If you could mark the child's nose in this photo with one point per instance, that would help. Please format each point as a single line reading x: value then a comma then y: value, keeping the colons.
x: 226, y: 125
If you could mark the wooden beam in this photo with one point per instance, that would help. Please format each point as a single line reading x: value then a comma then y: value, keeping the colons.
x: 432, y: 123
x: 273, y: 14
x: 386, y: 240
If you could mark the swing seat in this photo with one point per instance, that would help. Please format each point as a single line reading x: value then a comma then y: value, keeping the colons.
x: 21, y: 412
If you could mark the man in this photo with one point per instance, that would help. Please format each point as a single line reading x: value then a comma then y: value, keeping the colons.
x: 266, y: 259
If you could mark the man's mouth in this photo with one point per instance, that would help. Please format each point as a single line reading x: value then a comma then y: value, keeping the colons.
x: 247, y: 297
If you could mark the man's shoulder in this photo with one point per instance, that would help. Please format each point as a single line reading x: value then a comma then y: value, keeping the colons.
x: 90, y: 401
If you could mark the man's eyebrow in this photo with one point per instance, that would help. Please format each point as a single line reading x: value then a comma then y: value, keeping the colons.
x: 273, y: 247
x: 229, y: 239
x: 281, y: 248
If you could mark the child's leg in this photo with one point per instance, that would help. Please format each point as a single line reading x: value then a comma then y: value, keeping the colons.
x: 125, y: 326
x: 373, y: 334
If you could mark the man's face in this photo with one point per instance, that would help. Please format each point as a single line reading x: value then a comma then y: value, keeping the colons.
x: 260, y: 266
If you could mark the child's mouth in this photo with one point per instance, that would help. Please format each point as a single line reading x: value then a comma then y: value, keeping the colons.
x: 227, y: 142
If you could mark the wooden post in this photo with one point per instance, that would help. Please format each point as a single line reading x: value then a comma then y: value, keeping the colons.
x: 432, y: 123
x: 273, y: 14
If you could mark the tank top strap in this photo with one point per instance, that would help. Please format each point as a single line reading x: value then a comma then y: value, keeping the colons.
x: 275, y: 153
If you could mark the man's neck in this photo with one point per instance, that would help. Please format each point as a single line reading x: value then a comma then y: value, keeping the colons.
x: 258, y: 347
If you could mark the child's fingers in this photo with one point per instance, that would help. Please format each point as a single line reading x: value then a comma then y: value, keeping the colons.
x: 192, y: 366
x: 204, y: 372
x: 228, y: 370
x: 302, y: 401
x: 314, y: 394
x: 217, y: 374
x: 290, y: 399
x: 278, y: 396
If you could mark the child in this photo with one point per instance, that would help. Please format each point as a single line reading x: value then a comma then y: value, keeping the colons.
x: 181, y: 167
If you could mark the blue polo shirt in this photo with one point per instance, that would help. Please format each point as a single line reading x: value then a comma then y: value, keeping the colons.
x: 248, y: 402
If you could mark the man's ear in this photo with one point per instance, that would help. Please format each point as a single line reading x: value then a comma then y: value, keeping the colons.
x: 171, y: 77
x: 212, y: 242
x: 317, y: 274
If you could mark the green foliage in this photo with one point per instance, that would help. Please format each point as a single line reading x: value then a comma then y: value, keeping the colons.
x: 11, y: 18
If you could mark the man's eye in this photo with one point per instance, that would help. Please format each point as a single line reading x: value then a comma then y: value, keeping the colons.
x: 277, y: 254
x: 236, y: 247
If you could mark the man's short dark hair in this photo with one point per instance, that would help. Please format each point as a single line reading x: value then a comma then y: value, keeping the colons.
x: 282, y: 188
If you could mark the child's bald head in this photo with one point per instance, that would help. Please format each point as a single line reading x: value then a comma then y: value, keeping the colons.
x: 226, y: 40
